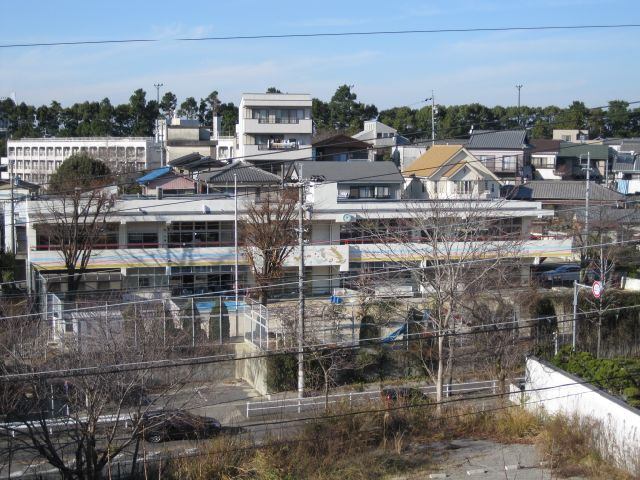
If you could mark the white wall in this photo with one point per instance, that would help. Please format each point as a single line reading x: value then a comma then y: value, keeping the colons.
x: 560, y: 392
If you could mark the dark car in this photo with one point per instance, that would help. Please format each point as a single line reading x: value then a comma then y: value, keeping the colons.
x: 162, y: 425
x: 402, y: 395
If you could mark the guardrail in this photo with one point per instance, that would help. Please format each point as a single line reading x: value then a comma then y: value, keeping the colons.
x: 270, y: 407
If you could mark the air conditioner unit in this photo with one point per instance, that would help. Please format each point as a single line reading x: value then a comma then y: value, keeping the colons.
x: 347, y: 217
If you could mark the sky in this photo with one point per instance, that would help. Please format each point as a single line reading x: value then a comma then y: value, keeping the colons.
x: 554, y: 67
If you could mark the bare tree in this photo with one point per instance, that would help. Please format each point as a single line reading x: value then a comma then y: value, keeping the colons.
x: 268, y: 229
x: 73, y: 218
x: 456, y: 251
x: 77, y: 422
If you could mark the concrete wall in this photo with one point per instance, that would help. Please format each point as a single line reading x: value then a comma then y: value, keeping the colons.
x: 251, y: 370
x: 205, y: 372
x: 559, y: 392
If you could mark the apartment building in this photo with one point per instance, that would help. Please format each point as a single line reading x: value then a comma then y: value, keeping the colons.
x: 36, y: 159
x: 274, y: 127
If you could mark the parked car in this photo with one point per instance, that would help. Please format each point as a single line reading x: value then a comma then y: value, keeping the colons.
x: 563, y: 273
x: 161, y: 425
x: 567, y: 274
x: 402, y: 395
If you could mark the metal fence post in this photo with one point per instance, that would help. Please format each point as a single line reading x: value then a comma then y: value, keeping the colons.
x: 193, y: 324
x: 164, y: 324
x: 220, y: 319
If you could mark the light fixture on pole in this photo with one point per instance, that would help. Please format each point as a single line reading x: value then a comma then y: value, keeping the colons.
x: 159, y: 134
x: 519, y: 87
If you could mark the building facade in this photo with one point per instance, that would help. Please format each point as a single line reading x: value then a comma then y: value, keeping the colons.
x: 274, y: 127
x: 36, y: 159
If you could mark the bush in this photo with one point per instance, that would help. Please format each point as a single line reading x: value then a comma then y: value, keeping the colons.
x: 619, y: 376
x: 282, y: 372
x: 218, y: 312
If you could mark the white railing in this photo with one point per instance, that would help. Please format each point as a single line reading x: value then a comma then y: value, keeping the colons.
x: 256, y: 324
x: 270, y: 407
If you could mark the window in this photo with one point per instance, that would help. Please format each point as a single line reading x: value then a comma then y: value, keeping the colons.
x: 509, y: 163
x: 383, y: 192
x: 27, y: 151
x: 200, y: 234
x: 543, y: 162
x: 370, y: 191
x: 142, y: 239
x: 465, y: 187
x: 19, y: 165
x: 27, y: 164
x: 565, y: 138
x: 49, y: 164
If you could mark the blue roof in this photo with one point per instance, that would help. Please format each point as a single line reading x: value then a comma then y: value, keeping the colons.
x: 152, y: 175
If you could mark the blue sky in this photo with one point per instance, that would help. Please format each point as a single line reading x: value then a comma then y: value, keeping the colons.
x: 556, y: 67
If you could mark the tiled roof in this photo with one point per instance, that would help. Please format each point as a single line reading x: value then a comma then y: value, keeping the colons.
x: 192, y: 161
x: 351, y: 172
x: 596, y: 152
x: 431, y: 160
x: 244, y: 172
x: 626, y: 163
x: 338, y: 140
x: 610, y: 215
x: 505, y: 139
x: 563, y: 190
x: 545, y: 145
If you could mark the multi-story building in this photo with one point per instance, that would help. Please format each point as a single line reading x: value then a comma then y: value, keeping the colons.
x: 36, y: 159
x: 274, y: 127
x: 380, y: 136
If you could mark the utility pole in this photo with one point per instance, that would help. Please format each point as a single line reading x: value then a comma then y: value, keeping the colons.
x: 519, y: 87
x: 586, y: 200
x: 13, y: 208
x: 235, y: 242
x: 433, y: 117
x: 160, y: 134
x: 301, y: 293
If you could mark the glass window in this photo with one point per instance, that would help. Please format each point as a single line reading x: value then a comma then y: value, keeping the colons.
x: 142, y: 239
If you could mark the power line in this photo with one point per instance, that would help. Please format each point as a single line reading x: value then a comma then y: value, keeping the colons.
x: 344, y: 346
x: 401, y: 269
x: 324, y: 34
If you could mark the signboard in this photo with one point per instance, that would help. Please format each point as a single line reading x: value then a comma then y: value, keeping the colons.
x: 596, y: 288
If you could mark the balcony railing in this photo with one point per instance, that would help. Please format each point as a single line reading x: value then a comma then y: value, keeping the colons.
x: 278, y: 146
x: 279, y: 120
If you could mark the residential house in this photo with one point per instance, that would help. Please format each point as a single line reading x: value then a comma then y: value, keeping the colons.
x: 242, y: 178
x: 447, y: 172
x: 572, y: 136
x: 165, y: 181
x: 274, y: 128
x: 572, y: 160
x: 192, y: 163
x: 564, y: 198
x: 626, y: 172
x: 544, y: 155
x: 187, y: 136
x: 380, y: 136
x: 506, y: 153
x: 339, y: 148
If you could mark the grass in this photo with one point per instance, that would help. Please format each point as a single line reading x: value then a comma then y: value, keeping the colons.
x: 376, y: 445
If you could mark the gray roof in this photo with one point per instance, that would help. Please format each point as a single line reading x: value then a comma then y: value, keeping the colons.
x: 609, y: 215
x: 244, y: 172
x: 351, y: 172
x: 564, y: 190
x: 505, y: 140
x: 193, y: 161
x: 626, y: 163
